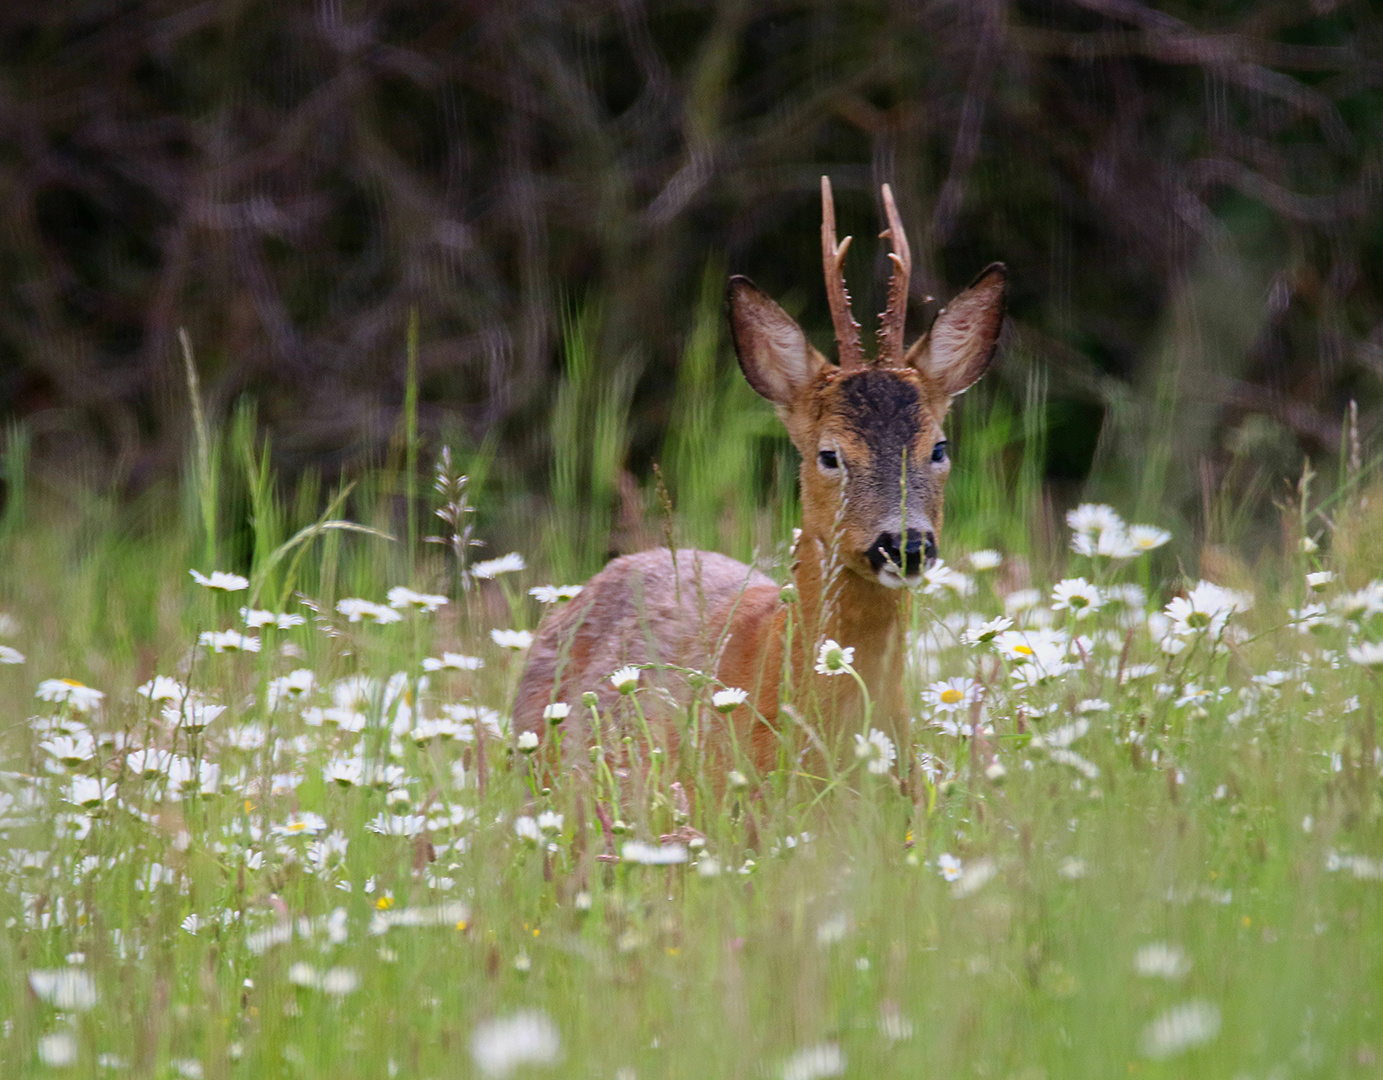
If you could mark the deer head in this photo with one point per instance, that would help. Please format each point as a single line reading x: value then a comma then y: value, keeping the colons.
x: 874, y: 460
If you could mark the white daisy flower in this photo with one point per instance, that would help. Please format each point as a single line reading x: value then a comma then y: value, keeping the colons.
x: 550, y: 821
x: 1319, y: 580
x: 1094, y: 518
x: 221, y: 581
x: 450, y: 661
x: 69, y: 692
x: 10, y: 655
x: 636, y: 851
x: 1147, y: 537
x: 1366, y: 653
x: 402, y: 598
x: 556, y: 712
x: 986, y: 632
x: 1180, y: 1028
x: 500, y: 1046
x: 224, y: 641
x: 518, y: 640
x: 192, y: 715
x: 89, y: 792
x: 1161, y: 961
x: 347, y: 772
x: 949, y: 866
x: 357, y: 610
x: 939, y: 578
x: 255, y: 619
x: 985, y: 559
x: 834, y: 659
x: 1077, y: 596
x: 1205, y: 608
x: 626, y: 679
x: 876, y: 750
x: 952, y: 695
x: 729, y: 699
x: 493, y: 568
x: 162, y: 688
x: 554, y: 594
x: 528, y: 741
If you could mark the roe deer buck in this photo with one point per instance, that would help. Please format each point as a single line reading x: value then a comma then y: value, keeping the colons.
x: 874, y: 464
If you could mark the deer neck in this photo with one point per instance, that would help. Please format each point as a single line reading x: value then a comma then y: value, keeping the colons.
x: 837, y: 603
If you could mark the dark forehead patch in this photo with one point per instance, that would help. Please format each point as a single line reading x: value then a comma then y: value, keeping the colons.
x: 882, y: 408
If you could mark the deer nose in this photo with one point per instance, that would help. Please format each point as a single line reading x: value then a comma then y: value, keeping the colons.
x: 886, y: 551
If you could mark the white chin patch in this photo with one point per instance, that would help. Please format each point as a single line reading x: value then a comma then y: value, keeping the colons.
x: 890, y: 578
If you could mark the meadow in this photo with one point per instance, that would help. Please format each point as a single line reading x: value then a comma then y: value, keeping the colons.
x: 261, y: 814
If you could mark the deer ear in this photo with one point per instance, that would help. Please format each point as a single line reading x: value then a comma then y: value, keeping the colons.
x: 774, y: 354
x: 959, y: 347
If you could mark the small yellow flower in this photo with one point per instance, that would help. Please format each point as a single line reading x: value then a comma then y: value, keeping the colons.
x: 384, y: 903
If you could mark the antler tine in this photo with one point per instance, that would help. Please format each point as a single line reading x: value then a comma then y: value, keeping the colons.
x: 833, y: 259
x: 891, y: 322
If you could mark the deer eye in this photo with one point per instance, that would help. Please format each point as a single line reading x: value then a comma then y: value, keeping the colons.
x: 828, y: 459
x: 939, y: 451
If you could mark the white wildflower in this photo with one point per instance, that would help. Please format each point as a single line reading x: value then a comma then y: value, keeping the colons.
x: 1077, y: 596
x: 69, y: 692
x: 357, y: 610
x: 500, y: 1046
x: 1161, y: 961
x: 70, y: 989
x: 876, y: 750
x: 10, y: 655
x: 162, y: 688
x: 949, y: 866
x: 1180, y: 1028
x: 1093, y: 519
x: 221, y: 581
x: 493, y: 568
x: 729, y: 699
x: 402, y: 598
x: 450, y: 661
x: 833, y: 659
x: 556, y: 712
x: 636, y: 851
x: 224, y: 641
x: 1366, y: 653
x: 986, y: 632
x: 1147, y: 537
x: 815, y: 1063
x: 554, y: 594
x: 985, y: 559
x: 952, y: 695
x: 255, y: 619
x: 58, y: 1050
x: 518, y: 640
x: 626, y: 679
x: 973, y: 878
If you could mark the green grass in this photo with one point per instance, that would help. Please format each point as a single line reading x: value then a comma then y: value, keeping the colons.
x: 1241, y: 830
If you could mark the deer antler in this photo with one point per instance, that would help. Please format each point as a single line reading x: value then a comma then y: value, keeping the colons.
x: 891, y: 321
x: 833, y: 258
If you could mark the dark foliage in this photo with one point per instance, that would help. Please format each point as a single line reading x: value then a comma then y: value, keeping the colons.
x: 287, y: 180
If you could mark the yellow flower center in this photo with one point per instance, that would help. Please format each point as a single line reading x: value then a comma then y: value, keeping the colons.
x: 72, y: 682
x: 1023, y: 650
x: 951, y: 695
x: 384, y: 903
x: 297, y: 826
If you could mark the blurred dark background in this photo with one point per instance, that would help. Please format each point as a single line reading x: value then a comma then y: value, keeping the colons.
x: 1188, y: 196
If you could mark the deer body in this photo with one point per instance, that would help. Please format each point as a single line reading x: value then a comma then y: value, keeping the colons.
x: 874, y: 465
